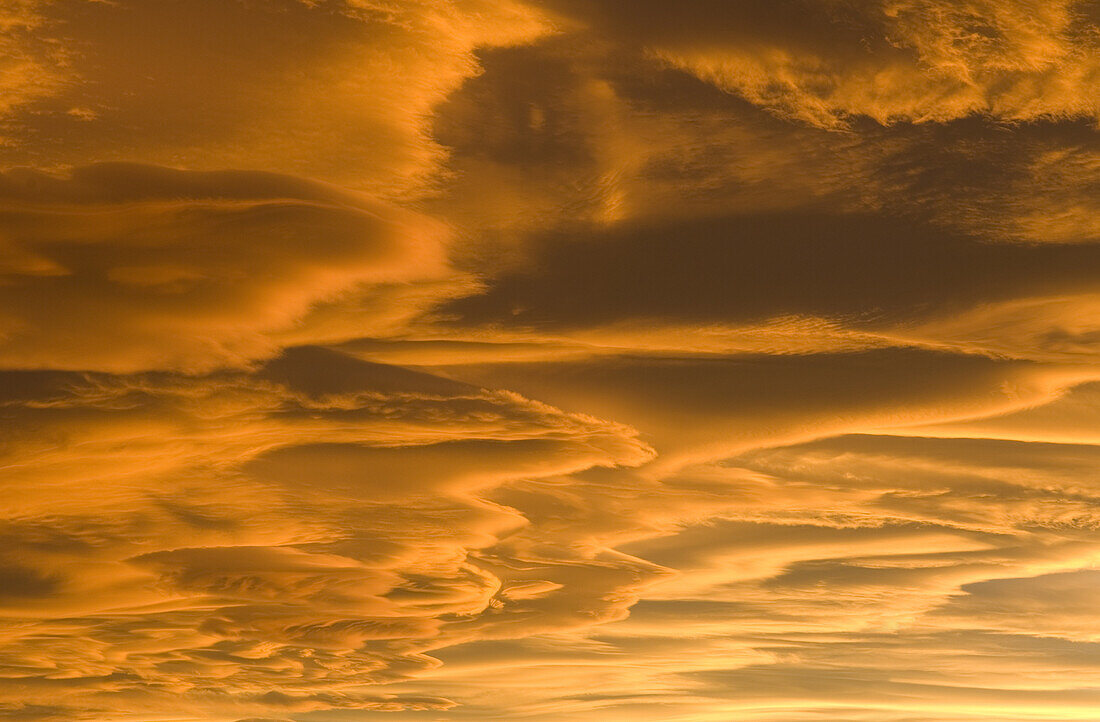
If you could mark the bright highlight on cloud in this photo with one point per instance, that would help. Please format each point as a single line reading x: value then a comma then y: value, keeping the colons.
x: 549, y: 360
x: 125, y: 267
x: 905, y: 61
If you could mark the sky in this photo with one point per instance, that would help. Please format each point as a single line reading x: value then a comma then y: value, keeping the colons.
x: 549, y: 360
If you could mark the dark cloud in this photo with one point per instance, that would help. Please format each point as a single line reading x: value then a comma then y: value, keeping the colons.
x: 320, y: 372
x: 868, y: 270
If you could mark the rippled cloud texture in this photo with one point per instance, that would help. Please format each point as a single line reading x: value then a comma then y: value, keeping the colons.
x: 550, y: 360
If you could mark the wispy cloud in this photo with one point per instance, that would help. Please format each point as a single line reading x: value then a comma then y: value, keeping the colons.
x: 548, y: 360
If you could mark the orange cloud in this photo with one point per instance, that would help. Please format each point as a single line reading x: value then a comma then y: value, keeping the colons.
x: 548, y: 360
x: 126, y: 267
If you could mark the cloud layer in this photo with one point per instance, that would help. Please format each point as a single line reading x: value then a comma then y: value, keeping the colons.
x: 549, y: 360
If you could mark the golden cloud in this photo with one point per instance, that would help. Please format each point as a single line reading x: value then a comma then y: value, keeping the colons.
x: 548, y: 360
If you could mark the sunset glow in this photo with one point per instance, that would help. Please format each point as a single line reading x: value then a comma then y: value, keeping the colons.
x: 549, y: 360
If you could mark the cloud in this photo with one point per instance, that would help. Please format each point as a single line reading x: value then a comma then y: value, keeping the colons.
x: 34, y: 66
x: 543, y: 359
x: 876, y: 576
x: 790, y: 283
x: 706, y: 407
x: 894, y: 61
x: 305, y: 88
x: 319, y: 513
x: 742, y: 267
x: 124, y: 267
x: 1060, y: 207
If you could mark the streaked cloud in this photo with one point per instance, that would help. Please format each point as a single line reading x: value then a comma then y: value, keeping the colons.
x: 548, y: 360
x: 124, y: 267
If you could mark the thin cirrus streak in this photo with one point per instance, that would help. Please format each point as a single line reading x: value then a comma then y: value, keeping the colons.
x: 549, y: 360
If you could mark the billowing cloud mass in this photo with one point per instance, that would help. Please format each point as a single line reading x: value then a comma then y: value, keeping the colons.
x: 549, y: 360
x: 895, y: 60
x: 126, y: 267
